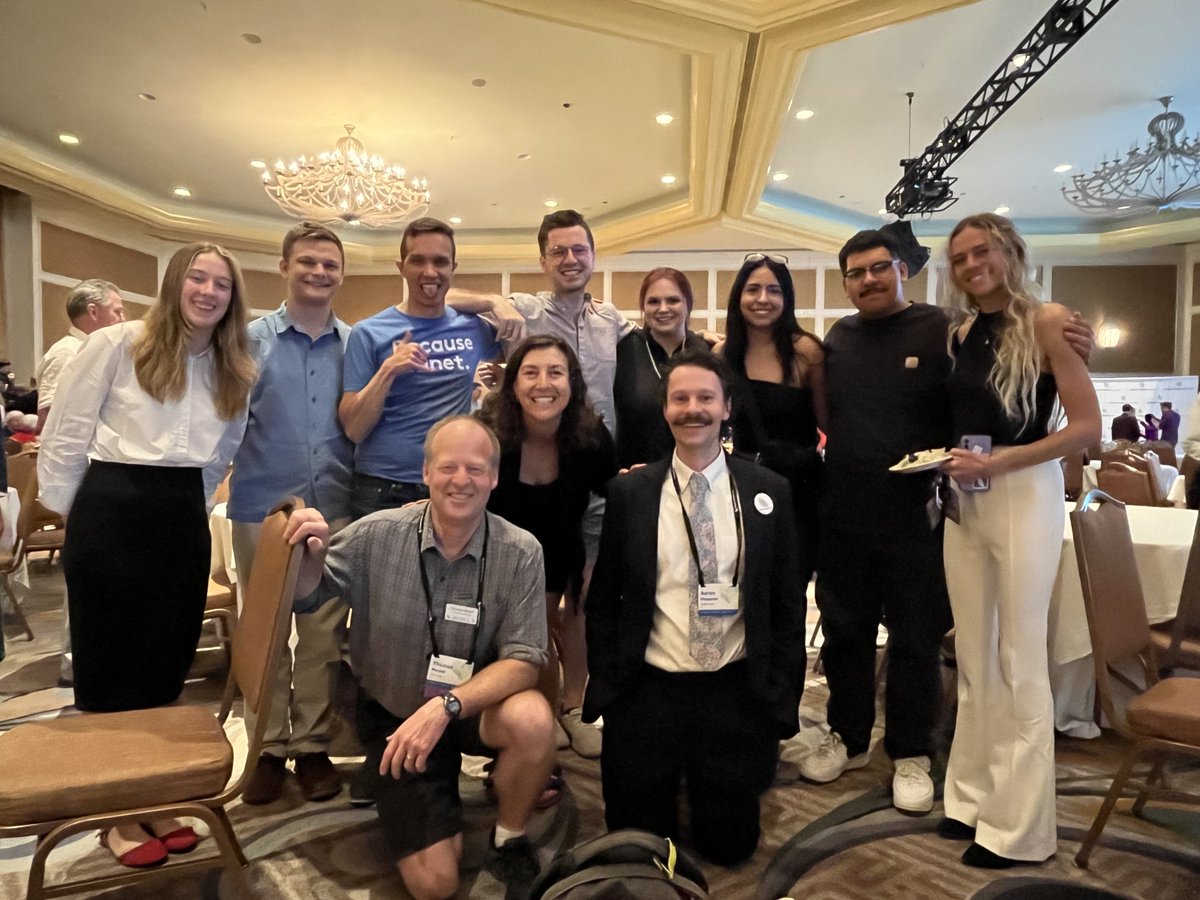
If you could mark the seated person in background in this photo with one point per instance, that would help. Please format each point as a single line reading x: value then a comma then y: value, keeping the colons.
x: 448, y: 638
x: 21, y: 426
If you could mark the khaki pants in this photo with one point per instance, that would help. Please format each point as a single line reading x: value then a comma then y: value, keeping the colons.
x: 301, y: 712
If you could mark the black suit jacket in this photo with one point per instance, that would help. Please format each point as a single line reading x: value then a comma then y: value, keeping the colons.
x: 621, y: 599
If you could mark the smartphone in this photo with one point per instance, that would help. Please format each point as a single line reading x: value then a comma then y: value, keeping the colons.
x: 976, y: 443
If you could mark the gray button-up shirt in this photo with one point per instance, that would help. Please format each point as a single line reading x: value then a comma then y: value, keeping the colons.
x: 372, y: 566
x: 592, y: 331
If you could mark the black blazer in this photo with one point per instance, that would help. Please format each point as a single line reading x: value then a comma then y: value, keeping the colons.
x: 621, y: 599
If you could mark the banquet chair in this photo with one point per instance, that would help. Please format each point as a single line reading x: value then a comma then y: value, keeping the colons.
x: 1178, y: 641
x: 1127, y: 484
x: 97, y: 770
x: 1164, y: 715
x: 22, y: 474
x: 1165, y: 451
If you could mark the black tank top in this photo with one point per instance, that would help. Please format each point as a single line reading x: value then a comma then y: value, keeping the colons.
x: 975, y: 406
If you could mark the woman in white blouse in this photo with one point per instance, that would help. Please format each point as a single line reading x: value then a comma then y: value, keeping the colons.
x: 149, y: 417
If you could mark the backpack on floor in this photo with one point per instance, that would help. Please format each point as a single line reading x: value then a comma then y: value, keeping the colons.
x: 622, y: 865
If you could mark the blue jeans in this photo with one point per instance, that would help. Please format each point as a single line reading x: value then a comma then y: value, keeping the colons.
x: 369, y: 494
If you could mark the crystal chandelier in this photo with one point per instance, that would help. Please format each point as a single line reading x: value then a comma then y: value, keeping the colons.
x: 1165, y: 174
x: 346, y: 186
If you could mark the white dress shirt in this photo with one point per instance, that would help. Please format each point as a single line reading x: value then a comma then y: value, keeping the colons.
x: 103, y: 414
x: 668, y: 647
x: 50, y: 370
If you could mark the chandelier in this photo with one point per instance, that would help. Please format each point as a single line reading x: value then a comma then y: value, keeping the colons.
x: 1165, y: 174
x: 346, y: 186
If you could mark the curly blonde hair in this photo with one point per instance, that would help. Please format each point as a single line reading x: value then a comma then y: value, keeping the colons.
x: 1018, y: 365
x: 160, y: 355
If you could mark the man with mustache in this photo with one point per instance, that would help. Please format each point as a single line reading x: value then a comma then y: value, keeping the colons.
x: 294, y: 446
x: 695, y: 628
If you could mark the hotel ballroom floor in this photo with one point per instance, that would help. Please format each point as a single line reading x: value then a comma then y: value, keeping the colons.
x: 841, y: 840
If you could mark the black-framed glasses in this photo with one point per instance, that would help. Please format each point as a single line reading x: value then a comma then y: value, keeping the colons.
x: 877, y: 270
x: 759, y: 257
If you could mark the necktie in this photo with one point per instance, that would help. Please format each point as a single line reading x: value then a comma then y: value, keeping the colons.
x: 704, y: 632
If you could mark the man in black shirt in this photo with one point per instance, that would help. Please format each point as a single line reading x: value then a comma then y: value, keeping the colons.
x: 1125, y: 426
x: 885, y: 372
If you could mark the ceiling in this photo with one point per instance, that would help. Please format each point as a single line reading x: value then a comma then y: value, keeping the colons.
x: 575, y: 87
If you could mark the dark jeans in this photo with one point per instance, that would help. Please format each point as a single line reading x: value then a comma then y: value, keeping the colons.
x: 900, y: 581
x: 371, y: 494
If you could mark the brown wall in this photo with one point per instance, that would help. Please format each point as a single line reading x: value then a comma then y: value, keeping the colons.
x: 1140, y: 299
x: 79, y: 256
x: 627, y: 285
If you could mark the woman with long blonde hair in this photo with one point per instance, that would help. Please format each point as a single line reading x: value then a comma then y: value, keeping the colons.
x: 148, y: 418
x: 1011, y: 362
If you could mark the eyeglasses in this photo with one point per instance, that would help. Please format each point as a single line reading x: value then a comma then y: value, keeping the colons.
x: 877, y: 270
x: 759, y: 257
x: 579, y: 251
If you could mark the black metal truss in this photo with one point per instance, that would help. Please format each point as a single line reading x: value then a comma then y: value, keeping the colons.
x: 924, y: 187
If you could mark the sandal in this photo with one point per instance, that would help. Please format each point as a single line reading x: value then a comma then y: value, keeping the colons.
x: 145, y: 855
x: 178, y: 840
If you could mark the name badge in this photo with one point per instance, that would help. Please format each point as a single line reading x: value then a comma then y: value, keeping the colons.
x: 446, y: 673
x: 467, y: 615
x: 717, y: 600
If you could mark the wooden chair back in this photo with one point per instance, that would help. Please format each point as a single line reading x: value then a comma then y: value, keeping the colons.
x: 1127, y: 484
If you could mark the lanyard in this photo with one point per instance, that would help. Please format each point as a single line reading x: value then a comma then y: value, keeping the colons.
x: 646, y: 339
x: 429, y: 598
x: 687, y: 524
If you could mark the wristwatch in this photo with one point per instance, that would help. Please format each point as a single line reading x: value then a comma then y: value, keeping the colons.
x: 451, y: 704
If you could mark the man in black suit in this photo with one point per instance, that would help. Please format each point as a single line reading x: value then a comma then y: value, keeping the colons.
x: 695, y: 628
x: 1125, y: 426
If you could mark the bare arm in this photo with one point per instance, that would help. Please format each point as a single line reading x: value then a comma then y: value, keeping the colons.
x: 814, y: 356
x: 359, y: 411
x: 1078, y: 398
x: 408, y: 747
x: 496, y: 309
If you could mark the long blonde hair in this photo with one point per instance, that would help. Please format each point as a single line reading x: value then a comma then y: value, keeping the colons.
x: 160, y: 355
x: 1018, y: 365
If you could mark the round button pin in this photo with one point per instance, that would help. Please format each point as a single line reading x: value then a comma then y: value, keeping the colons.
x: 764, y: 504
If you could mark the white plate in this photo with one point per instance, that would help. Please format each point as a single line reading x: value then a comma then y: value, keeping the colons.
x: 923, y: 465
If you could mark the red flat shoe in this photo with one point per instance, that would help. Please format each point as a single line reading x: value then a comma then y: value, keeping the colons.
x: 181, y: 840
x: 144, y: 856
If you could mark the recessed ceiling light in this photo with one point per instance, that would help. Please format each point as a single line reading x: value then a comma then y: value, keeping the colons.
x: 780, y: 176
x: 1126, y: 206
x: 1001, y: 210
x: 522, y: 156
x: 478, y: 82
x: 258, y: 163
x: 69, y: 139
x: 664, y: 118
x: 456, y: 220
x: 1019, y: 59
x: 667, y: 179
x: 883, y: 212
x: 551, y: 203
x: 804, y: 114
x: 182, y: 192
x: 1065, y: 167
x: 251, y: 38
x: 144, y: 96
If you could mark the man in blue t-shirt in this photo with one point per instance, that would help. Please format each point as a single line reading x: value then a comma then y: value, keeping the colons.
x: 407, y: 367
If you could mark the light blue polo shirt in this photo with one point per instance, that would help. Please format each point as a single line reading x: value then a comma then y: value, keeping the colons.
x: 293, y: 444
x: 455, y: 344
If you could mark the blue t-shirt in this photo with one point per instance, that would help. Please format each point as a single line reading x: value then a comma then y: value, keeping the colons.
x: 455, y: 344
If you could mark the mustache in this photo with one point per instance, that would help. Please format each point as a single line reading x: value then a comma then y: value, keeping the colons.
x: 692, y: 419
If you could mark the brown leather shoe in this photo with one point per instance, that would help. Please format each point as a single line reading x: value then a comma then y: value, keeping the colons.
x: 266, y: 784
x: 319, y: 780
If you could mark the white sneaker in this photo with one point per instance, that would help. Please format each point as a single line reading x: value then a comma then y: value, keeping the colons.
x: 912, y: 788
x: 585, y: 738
x: 829, y: 760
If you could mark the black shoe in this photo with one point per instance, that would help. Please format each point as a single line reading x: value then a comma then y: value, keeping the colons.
x: 266, y: 784
x: 319, y: 780
x: 954, y: 830
x: 364, y: 784
x: 514, y: 865
x: 980, y: 857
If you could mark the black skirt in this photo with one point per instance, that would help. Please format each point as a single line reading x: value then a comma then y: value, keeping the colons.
x: 136, y: 561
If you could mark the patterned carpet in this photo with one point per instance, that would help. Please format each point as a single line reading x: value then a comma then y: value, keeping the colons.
x: 841, y: 840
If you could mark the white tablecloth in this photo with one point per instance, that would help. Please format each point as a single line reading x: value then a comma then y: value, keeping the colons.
x: 1162, y: 539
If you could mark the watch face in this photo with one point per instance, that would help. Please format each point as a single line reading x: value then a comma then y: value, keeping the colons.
x: 452, y: 704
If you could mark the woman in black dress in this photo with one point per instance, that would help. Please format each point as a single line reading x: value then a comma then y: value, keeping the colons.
x: 666, y: 302
x: 782, y: 368
x: 555, y: 452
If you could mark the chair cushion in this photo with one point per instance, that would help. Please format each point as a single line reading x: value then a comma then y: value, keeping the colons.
x: 1169, y: 710
x: 104, y: 762
x: 1188, y: 652
x: 45, y: 540
x: 219, y: 597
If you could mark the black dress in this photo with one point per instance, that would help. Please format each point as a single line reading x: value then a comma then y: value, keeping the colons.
x: 777, y: 424
x: 553, y: 513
